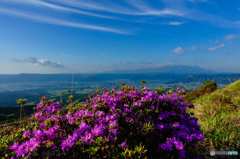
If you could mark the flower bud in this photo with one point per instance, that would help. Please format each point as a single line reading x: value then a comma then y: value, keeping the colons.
x: 130, y: 153
x: 125, y: 153
x: 140, y: 150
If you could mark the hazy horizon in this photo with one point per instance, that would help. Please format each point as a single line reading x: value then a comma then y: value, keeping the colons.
x: 57, y: 36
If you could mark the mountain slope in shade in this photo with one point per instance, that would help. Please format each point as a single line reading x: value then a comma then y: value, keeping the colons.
x: 166, y: 69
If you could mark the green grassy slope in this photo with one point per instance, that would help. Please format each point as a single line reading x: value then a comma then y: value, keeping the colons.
x: 218, y: 115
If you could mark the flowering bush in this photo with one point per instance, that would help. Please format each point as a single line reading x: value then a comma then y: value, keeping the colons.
x: 114, y: 124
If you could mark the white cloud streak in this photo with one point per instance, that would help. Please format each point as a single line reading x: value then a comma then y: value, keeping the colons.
x: 173, y: 23
x: 231, y: 36
x: 140, y: 8
x: 40, y: 3
x: 215, y: 48
x: 60, y: 22
x: 176, y: 23
x: 137, y: 8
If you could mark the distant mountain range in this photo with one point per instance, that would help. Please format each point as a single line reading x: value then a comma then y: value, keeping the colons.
x: 166, y: 69
x: 173, y: 74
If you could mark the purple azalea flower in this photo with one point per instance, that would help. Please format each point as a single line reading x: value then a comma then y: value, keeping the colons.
x: 65, y: 145
x: 152, y: 107
x: 124, y: 145
x: 49, y: 111
x: 99, y: 113
x: 21, y: 151
x: 178, y: 144
x: 103, y: 120
x: 31, y: 144
x: 137, y: 104
x: 176, y: 124
x: 151, y: 93
x: 78, y: 132
x: 26, y: 133
x: 87, y: 137
x: 113, y: 123
x: 84, y: 126
x: 42, y: 126
x: 14, y: 146
x: 37, y: 115
x: 98, y: 130
x: 112, y: 138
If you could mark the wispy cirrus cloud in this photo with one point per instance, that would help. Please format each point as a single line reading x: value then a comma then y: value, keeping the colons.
x: 173, y: 23
x: 60, y: 22
x: 41, y: 62
x: 215, y: 48
x: 122, y: 10
x: 39, y: 3
x: 138, y: 7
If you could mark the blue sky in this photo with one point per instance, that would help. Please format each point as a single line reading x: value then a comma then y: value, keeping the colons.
x: 53, y: 36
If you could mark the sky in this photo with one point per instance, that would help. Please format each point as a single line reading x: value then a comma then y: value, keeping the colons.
x: 88, y: 36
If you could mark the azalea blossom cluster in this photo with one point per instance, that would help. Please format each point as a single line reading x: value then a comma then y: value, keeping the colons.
x: 121, y: 118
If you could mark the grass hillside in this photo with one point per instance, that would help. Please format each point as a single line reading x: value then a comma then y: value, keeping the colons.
x: 218, y: 115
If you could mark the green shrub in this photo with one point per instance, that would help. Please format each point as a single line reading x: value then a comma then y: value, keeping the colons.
x: 208, y: 87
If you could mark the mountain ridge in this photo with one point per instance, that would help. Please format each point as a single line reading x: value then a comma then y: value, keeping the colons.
x: 166, y: 69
